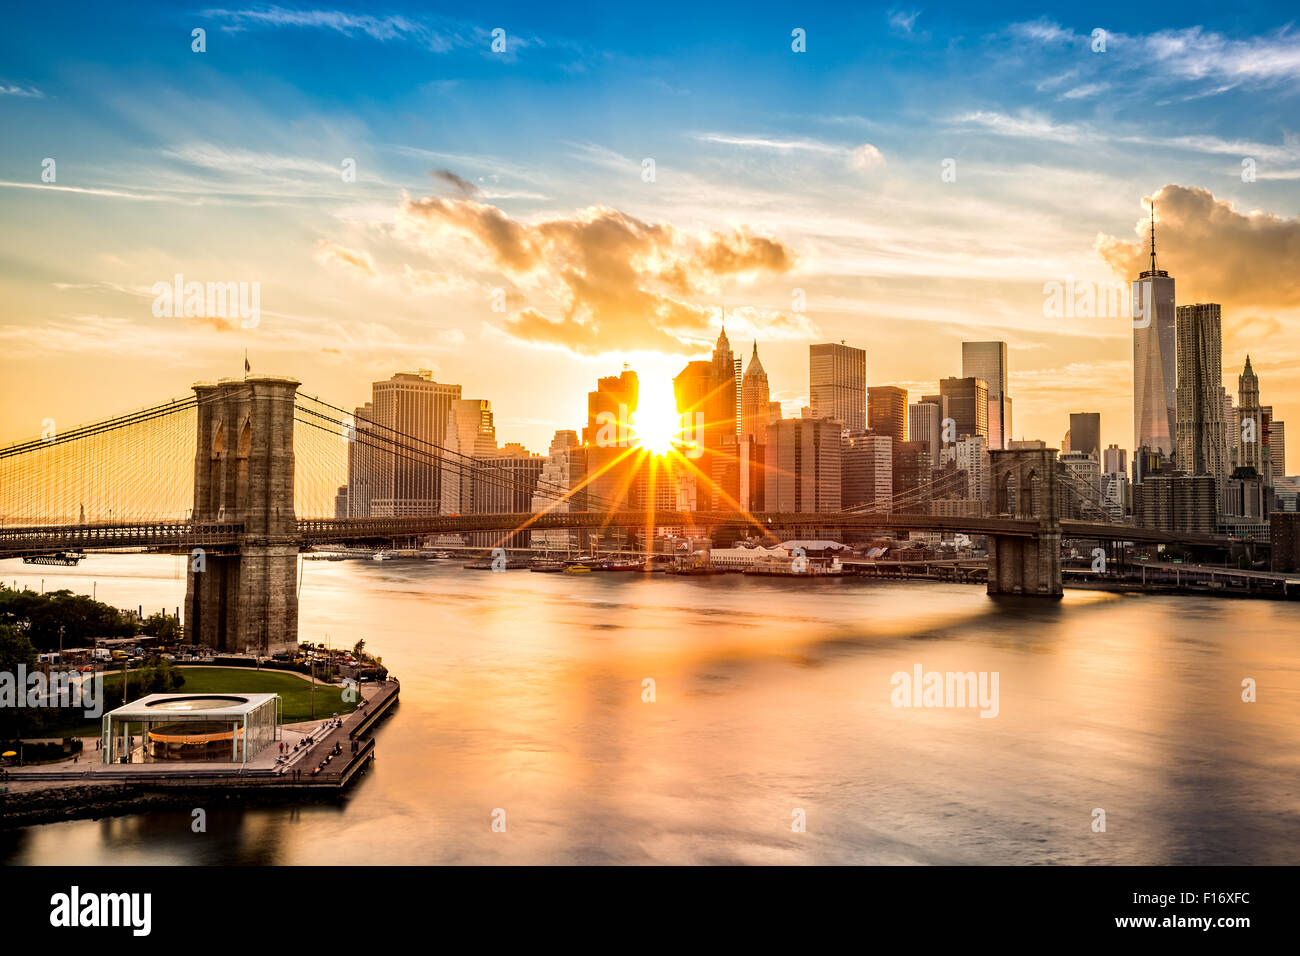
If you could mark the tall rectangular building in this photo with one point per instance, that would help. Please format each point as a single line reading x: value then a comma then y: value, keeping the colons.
x: 1201, y: 437
x: 968, y: 405
x: 837, y: 384
x: 867, y: 470
x: 912, y: 469
x: 612, y: 403
x: 887, y: 411
x: 988, y: 361
x: 971, y: 455
x: 925, y: 423
x: 755, y: 400
x: 803, y: 466
x: 1155, y: 374
x: 1085, y: 433
x: 408, y: 416
x: 1114, y: 460
x: 471, y: 437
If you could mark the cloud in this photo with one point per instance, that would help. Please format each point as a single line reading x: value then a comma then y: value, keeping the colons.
x: 866, y: 157
x: 1031, y: 124
x: 109, y: 193
x: 862, y: 157
x: 247, y: 162
x: 330, y: 252
x: 609, y: 281
x: 28, y: 91
x: 1244, y: 261
x: 903, y: 20
x: 1190, y: 53
x: 1027, y: 124
x: 459, y: 183
x: 767, y: 142
x: 437, y: 34
x: 1084, y: 91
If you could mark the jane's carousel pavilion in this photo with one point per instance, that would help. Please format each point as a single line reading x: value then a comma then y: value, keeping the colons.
x: 222, y: 728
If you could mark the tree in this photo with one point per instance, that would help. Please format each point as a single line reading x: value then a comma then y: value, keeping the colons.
x: 61, y: 615
x: 358, y: 647
x: 164, y: 626
x: 15, y: 651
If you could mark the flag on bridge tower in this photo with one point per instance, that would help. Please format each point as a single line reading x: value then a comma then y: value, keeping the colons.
x: 247, y: 368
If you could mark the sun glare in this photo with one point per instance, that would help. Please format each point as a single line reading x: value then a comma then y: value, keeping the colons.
x: 656, y: 424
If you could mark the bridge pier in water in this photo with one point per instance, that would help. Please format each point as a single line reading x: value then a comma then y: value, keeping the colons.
x: 1024, y: 486
x: 246, y: 599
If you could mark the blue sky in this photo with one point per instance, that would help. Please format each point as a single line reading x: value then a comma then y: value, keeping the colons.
x: 224, y: 165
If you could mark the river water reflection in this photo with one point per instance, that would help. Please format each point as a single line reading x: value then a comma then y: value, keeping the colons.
x: 524, y: 692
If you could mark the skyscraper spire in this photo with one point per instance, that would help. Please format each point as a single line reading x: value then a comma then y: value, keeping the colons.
x: 1153, y: 235
x: 1153, y: 271
x: 723, y: 345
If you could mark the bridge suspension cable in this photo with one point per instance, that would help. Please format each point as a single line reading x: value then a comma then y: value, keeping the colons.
x: 128, y: 467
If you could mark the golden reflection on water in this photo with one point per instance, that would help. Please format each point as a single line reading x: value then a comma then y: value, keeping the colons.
x: 524, y: 692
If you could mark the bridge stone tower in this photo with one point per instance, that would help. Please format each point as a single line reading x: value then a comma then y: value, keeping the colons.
x: 1024, y: 487
x: 245, y: 601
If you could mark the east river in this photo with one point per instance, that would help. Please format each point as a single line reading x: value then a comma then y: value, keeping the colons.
x: 773, y: 702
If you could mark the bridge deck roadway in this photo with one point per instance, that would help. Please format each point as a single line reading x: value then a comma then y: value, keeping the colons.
x: 183, y: 536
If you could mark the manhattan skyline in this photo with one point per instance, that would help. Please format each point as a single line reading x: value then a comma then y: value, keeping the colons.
x: 479, y: 243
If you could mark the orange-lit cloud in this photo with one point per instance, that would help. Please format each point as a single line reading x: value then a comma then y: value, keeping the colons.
x: 618, y: 283
x: 1244, y: 261
x: 331, y: 252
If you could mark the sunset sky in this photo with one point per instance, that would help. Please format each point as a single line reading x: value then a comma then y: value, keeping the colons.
x: 525, y: 171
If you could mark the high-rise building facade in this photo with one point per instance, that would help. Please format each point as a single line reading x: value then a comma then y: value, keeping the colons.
x: 755, y: 400
x: 912, y: 470
x: 988, y: 361
x: 710, y: 390
x: 1277, y: 449
x: 1081, y: 493
x: 887, y: 411
x: 408, y: 414
x: 925, y: 423
x: 1250, y: 421
x: 559, y: 489
x: 1115, y: 495
x: 362, y: 453
x: 470, y: 437
x: 1085, y: 433
x: 803, y: 465
x: 867, y: 470
x: 837, y: 384
x: 1154, y: 358
x: 968, y: 405
x: 1114, y: 460
x: 1201, y: 446
x: 1175, y: 501
x: 972, y: 456
x: 613, y: 402
x: 724, y: 398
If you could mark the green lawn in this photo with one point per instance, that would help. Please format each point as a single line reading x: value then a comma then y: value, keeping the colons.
x: 295, y: 695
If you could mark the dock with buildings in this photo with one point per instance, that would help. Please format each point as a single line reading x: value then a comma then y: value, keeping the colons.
x: 338, y: 754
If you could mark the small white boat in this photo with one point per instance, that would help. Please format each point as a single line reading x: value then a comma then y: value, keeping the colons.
x: 382, y: 556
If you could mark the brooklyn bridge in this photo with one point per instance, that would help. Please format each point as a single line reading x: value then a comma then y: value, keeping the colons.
x: 241, y: 477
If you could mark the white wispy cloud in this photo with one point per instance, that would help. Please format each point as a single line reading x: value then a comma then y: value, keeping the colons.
x: 903, y: 20
x: 765, y: 142
x: 245, y: 162
x: 1026, y: 124
x: 435, y: 33
x: 862, y: 158
x: 7, y: 89
x: 1084, y: 91
x: 109, y: 193
x: 1190, y: 53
